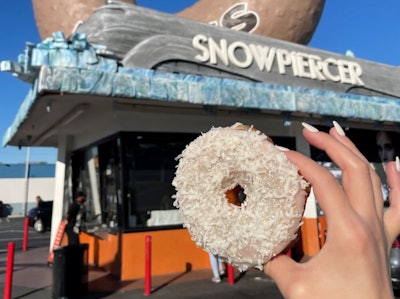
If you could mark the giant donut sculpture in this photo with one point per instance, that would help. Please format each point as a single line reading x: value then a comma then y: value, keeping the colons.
x: 293, y: 21
x: 217, y: 164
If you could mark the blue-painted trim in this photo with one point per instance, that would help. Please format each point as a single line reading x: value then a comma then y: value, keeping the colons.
x: 17, y: 171
x: 74, y: 66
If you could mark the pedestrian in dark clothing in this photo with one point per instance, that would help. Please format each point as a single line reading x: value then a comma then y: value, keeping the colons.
x: 74, y: 217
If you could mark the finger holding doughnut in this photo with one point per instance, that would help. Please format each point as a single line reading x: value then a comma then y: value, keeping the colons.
x: 356, y: 173
x: 337, y: 209
x: 339, y: 134
x: 327, y: 189
x: 355, y: 252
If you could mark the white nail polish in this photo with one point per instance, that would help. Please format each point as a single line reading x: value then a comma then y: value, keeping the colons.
x: 397, y: 163
x: 338, y: 128
x: 282, y: 149
x: 309, y: 127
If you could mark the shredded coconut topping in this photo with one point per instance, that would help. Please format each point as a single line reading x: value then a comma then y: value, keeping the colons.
x: 267, y: 221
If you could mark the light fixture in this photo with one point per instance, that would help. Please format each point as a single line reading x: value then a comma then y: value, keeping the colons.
x: 73, y: 114
x: 48, y: 106
x: 287, y: 119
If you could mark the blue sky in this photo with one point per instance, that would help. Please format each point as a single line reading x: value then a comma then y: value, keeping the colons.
x: 368, y: 28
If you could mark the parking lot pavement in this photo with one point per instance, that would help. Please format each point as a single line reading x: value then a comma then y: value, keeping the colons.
x: 13, y: 231
x: 33, y: 279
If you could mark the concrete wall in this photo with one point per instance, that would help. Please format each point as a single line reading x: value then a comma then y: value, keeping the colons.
x: 13, y: 192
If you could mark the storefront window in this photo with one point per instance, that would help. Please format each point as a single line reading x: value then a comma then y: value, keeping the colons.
x: 86, y: 178
x: 128, y: 180
x: 149, y: 170
x: 110, y: 183
x: 132, y: 192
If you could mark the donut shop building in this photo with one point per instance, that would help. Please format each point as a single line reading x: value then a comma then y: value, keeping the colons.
x: 120, y: 111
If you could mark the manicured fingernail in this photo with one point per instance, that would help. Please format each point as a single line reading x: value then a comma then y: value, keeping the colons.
x: 282, y: 149
x: 338, y: 128
x: 309, y: 127
x: 398, y: 163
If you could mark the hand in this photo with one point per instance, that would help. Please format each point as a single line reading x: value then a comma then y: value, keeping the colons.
x: 353, y: 263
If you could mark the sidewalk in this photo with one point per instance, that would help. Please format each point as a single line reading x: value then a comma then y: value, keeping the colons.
x: 33, y: 279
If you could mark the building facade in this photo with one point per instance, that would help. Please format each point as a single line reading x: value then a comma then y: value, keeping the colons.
x: 121, y: 101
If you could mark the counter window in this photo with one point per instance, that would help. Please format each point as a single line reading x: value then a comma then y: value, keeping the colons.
x: 128, y: 180
x: 149, y: 170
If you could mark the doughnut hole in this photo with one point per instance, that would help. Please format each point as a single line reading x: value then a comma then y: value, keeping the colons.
x: 236, y: 196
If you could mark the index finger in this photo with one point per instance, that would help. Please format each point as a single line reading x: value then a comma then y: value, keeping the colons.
x: 358, y: 180
x: 327, y: 189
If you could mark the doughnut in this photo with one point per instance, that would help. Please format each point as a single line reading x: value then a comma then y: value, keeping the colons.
x: 239, y: 196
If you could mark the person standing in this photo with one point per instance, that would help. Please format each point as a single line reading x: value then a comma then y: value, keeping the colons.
x: 39, y: 200
x: 217, y: 267
x: 74, y: 217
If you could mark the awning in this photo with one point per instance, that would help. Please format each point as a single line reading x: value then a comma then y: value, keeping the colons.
x: 74, y: 67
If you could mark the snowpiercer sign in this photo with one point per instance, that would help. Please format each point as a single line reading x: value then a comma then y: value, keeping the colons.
x: 263, y: 58
x: 148, y: 39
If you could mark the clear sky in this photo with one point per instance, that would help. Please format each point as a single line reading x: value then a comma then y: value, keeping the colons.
x: 370, y: 29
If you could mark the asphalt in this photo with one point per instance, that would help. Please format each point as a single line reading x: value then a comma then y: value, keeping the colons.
x: 32, y: 278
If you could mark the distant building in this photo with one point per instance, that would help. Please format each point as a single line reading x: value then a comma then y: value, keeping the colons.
x: 13, y: 185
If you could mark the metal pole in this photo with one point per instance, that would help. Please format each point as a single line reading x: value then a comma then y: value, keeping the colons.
x: 26, y: 232
x: 231, y: 274
x: 28, y: 151
x: 147, y: 272
x: 9, y: 270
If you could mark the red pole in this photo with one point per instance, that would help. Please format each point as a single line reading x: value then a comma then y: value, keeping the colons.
x: 26, y: 230
x: 231, y: 275
x: 147, y: 271
x: 9, y: 270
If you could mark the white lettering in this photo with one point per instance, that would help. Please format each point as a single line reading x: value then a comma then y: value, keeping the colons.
x: 316, y: 68
x: 263, y: 56
x: 197, y: 43
x: 344, y: 72
x: 303, y: 65
x: 219, y: 51
x: 355, y: 73
x: 326, y: 71
x: 232, y: 50
x: 295, y: 65
x: 283, y: 57
x: 268, y: 59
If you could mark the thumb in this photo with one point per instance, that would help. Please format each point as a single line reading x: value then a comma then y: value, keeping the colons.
x: 280, y: 269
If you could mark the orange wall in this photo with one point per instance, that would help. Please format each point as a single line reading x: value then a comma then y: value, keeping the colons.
x: 172, y: 251
x: 92, y: 249
x: 104, y: 252
x: 310, y: 236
